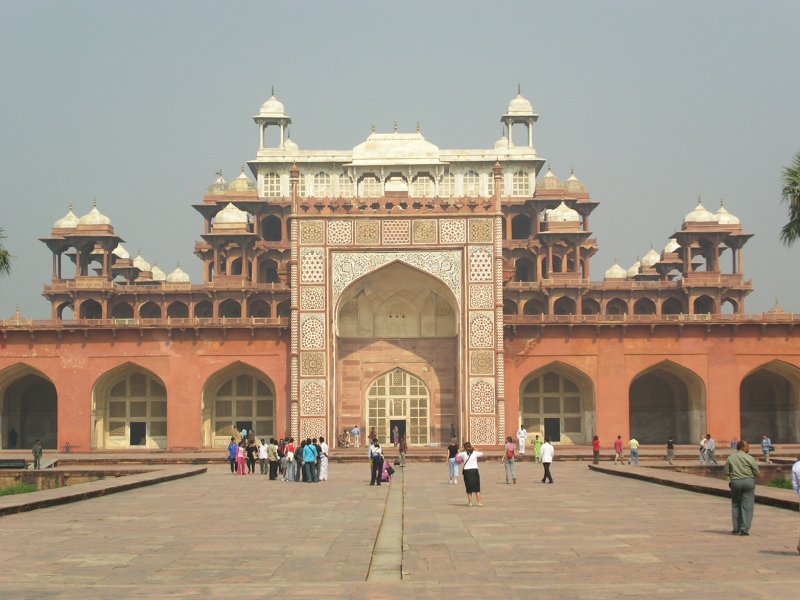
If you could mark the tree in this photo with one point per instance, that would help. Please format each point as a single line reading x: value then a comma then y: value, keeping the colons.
x: 791, y: 195
x: 5, y: 256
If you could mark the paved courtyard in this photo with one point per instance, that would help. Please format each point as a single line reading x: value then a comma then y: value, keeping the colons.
x: 589, y: 535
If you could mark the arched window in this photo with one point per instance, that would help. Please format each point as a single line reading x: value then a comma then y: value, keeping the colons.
x: 302, y: 190
x: 136, y: 413
x: 519, y: 184
x: 345, y: 186
x: 272, y: 185
x: 564, y: 306
x: 704, y: 305
x: 617, y: 306
x: 203, y: 310
x: 509, y: 307
x: 490, y: 183
x: 122, y: 310
x: 672, y: 306
x: 322, y: 185
x: 399, y: 397
x: 590, y: 306
x: 520, y: 227
x: 523, y: 270
x: 271, y: 229
x: 533, y: 307
x: 472, y: 184
x: 247, y: 401
x: 285, y: 309
x: 447, y: 187
x: 644, y: 306
x: 268, y: 271
x: 150, y: 310
x: 371, y: 187
x: 178, y: 310
x: 91, y: 309
x: 553, y: 404
x: 422, y: 186
x: 258, y: 309
x: 230, y: 309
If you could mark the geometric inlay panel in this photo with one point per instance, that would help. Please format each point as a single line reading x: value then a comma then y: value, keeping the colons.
x: 312, y: 332
x: 481, y: 362
x: 368, y: 231
x: 425, y: 231
x: 312, y: 265
x: 396, y: 232
x: 480, y: 231
x: 452, y: 231
x: 481, y: 295
x: 481, y: 330
x: 443, y: 264
x: 312, y: 398
x: 312, y: 297
x: 340, y: 232
x: 312, y: 427
x: 480, y: 264
x: 311, y: 232
x: 482, y: 430
x: 312, y: 364
x: 481, y: 398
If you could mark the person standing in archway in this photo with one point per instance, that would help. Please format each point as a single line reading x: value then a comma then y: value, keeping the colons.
x: 356, y: 436
x: 537, y: 448
x: 522, y: 437
x: 37, y: 454
x: 595, y: 450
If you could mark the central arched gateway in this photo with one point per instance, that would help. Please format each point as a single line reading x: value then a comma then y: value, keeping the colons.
x: 399, y: 399
x: 397, y: 355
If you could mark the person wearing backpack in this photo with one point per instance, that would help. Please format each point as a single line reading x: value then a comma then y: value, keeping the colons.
x: 508, y: 460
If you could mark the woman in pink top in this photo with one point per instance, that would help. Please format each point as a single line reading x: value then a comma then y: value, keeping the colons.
x: 240, y: 457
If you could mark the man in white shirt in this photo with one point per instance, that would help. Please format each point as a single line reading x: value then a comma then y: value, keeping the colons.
x: 547, y: 457
x: 356, y: 436
x: 796, y: 485
x: 711, y: 448
x: 522, y: 437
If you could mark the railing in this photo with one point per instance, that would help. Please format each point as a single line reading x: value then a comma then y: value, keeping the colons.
x: 617, y: 319
x: 159, y: 286
x: 132, y: 323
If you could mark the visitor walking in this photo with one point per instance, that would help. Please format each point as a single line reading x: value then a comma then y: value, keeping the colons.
x: 711, y: 448
x: 251, y: 450
x: 233, y: 449
x: 508, y: 461
x: 403, y: 450
x: 522, y: 437
x: 472, y: 477
x: 633, y: 444
x: 547, y: 458
x: 618, y: 444
x: 670, y: 450
x: 703, y: 442
x: 376, y: 463
x: 37, y: 454
x: 356, y: 436
x: 766, y: 448
x: 323, y: 459
x: 796, y: 485
x: 537, y: 448
x: 742, y: 470
x: 595, y: 450
x: 452, y: 451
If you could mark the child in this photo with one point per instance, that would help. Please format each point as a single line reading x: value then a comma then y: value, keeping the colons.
x: 240, y: 458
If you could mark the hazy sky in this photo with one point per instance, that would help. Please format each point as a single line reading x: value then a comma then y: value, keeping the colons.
x: 653, y: 103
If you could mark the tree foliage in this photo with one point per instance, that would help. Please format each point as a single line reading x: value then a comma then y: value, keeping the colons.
x: 791, y: 195
x: 5, y: 256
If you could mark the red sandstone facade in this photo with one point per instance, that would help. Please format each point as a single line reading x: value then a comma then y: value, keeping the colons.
x: 397, y: 284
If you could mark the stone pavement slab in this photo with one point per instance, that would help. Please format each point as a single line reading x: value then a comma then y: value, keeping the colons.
x: 589, y: 535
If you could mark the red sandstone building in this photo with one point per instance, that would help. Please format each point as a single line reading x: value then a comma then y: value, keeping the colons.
x: 397, y: 283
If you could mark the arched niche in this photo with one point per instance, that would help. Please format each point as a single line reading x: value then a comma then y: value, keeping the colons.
x: 28, y: 408
x: 178, y: 310
x: 769, y: 403
x: 667, y: 400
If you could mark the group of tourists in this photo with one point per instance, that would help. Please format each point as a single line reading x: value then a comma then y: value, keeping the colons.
x: 281, y: 458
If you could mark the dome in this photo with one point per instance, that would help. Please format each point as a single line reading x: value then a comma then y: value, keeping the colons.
x: 94, y: 217
x: 272, y: 108
x: 290, y: 146
x: 651, y: 258
x: 616, y: 272
x: 242, y: 184
x: 573, y: 185
x: 219, y: 187
x: 120, y: 252
x: 634, y: 270
x: 68, y: 221
x: 158, y: 274
x: 231, y: 214
x: 724, y: 217
x: 178, y: 276
x: 140, y: 263
x: 501, y: 144
x: 562, y: 214
x: 550, y: 181
x: 520, y: 106
x: 700, y: 215
x: 672, y: 246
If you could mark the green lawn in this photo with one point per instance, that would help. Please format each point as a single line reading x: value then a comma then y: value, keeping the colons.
x: 18, y: 488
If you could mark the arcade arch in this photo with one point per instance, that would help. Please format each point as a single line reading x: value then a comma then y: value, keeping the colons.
x: 398, y: 398
x: 558, y: 401
x: 29, y: 408
x: 667, y: 400
x: 769, y: 403
x: 129, y: 409
x: 238, y: 395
